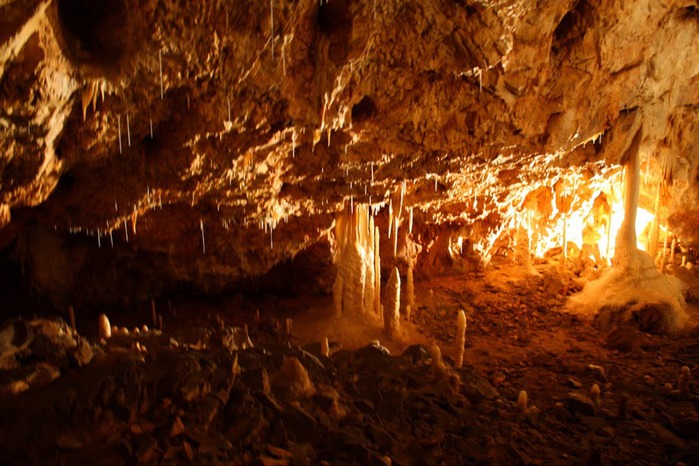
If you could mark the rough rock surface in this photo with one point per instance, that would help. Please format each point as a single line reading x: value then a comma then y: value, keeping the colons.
x: 185, y: 396
x: 204, y: 143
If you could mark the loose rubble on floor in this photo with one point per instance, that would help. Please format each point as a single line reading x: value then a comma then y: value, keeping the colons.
x: 249, y: 393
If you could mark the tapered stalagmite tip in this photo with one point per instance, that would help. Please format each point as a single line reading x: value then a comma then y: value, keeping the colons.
x: 104, y: 329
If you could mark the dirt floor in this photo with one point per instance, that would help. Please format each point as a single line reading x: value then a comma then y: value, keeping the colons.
x: 197, y: 394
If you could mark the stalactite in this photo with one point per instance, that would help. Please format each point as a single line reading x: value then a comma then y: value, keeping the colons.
x: 203, y: 240
x: 626, y: 237
x: 128, y: 130
x: 395, y: 237
x: 160, y: 64
x: 377, y: 273
x: 119, y: 129
x: 369, y: 267
x: 410, y: 221
x: 460, y: 339
x: 392, y: 310
x: 271, y: 21
x: 655, y: 226
x: 390, y: 218
x: 325, y: 348
x: 410, y: 287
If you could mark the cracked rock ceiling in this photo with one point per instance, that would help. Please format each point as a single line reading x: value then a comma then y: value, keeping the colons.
x: 145, y: 143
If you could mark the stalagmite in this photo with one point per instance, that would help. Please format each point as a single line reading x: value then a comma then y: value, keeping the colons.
x: 595, y: 394
x: 104, y: 329
x: 71, y: 315
x: 289, y: 326
x: 438, y: 366
x: 392, y: 312
x: 410, y: 221
x: 522, y: 401
x: 154, y: 315
x: 633, y: 280
x: 353, y: 289
x: 460, y: 339
x: 408, y: 312
x: 293, y: 380
x: 325, y: 348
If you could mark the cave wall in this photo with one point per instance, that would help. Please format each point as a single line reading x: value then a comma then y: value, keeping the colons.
x: 210, y: 141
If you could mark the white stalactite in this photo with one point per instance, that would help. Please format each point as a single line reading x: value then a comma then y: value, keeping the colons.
x: 377, y: 273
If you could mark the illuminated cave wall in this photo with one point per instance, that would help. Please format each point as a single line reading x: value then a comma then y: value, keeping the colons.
x: 155, y: 144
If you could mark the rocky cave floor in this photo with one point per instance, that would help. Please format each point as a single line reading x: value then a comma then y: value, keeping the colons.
x: 192, y: 395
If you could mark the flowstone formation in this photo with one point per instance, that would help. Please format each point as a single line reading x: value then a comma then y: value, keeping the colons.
x: 205, y: 144
x: 633, y: 290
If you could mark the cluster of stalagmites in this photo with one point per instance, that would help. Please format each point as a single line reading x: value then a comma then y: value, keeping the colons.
x: 357, y: 287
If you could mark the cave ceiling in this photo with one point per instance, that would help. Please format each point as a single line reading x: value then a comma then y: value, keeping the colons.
x: 208, y: 141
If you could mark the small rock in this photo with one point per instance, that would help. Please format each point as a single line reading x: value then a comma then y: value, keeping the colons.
x: 68, y: 441
x: 577, y: 403
x: 177, y: 427
x: 147, y: 446
x: 299, y: 424
x: 257, y: 379
x: 82, y: 354
x: 572, y: 383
